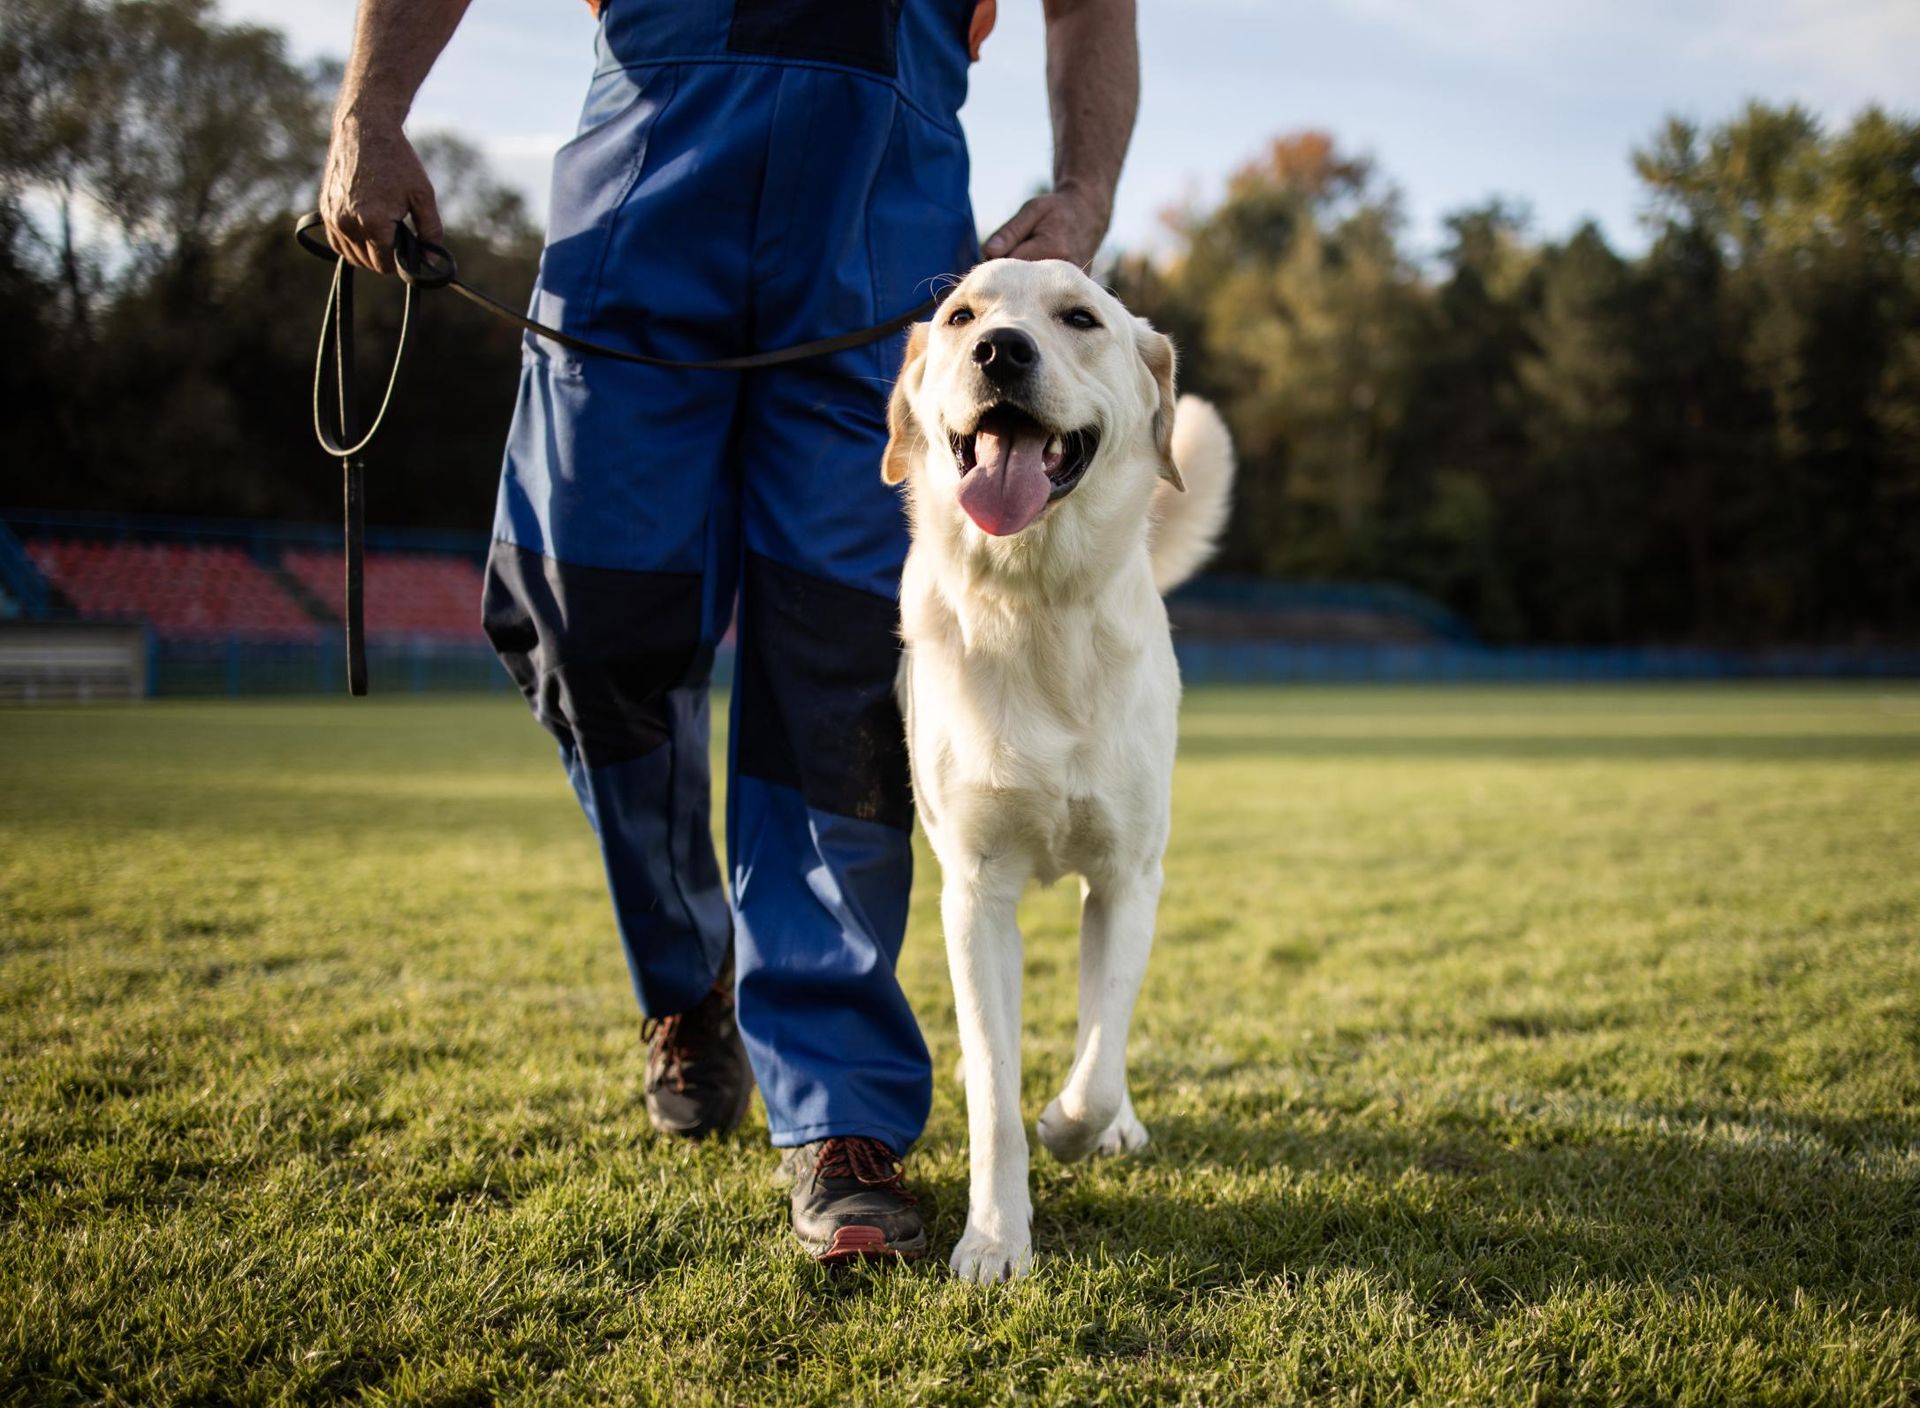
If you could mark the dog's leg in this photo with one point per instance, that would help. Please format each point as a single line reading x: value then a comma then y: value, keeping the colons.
x: 1093, y: 1110
x: 983, y: 955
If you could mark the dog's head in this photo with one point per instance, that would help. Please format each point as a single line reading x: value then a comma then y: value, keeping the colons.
x: 1033, y: 401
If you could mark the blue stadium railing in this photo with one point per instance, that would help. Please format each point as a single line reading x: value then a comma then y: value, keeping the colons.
x: 239, y: 667
x: 20, y: 581
x: 235, y: 667
x: 1383, y: 599
x: 1288, y: 662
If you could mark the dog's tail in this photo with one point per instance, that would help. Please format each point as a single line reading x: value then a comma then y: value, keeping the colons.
x: 1185, y: 526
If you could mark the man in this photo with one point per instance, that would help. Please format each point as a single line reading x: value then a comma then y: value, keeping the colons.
x: 748, y: 174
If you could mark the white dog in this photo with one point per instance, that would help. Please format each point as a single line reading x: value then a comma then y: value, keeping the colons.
x: 1036, y: 428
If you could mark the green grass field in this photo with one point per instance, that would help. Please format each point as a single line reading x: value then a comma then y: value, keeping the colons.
x: 1525, y: 1046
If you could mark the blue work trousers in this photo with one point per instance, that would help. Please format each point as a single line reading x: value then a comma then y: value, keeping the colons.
x: 741, y: 180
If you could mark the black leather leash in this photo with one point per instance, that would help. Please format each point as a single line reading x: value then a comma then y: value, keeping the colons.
x: 422, y: 264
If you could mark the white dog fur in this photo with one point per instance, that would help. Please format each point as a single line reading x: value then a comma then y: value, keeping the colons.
x: 1040, y: 689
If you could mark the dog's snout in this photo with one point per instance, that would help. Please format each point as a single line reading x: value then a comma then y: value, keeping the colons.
x: 1005, y: 353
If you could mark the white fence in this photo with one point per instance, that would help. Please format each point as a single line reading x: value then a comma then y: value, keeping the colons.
x: 68, y: 661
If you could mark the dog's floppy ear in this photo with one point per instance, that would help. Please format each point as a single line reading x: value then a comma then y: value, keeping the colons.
x: 1156, y: 350
x: 903, y: 431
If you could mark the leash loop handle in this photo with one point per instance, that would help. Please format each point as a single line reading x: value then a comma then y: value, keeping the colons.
x: 336, y: 324
x: 353, y: 471
x: 421, y: 263
x: 337, y: 319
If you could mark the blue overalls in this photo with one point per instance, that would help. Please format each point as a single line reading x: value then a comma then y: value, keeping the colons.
x: 748, y: 174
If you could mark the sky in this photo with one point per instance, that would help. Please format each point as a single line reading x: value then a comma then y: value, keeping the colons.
x: 1456, y: 101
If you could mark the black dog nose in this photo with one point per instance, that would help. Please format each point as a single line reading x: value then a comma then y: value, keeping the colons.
x: 1005, y: 353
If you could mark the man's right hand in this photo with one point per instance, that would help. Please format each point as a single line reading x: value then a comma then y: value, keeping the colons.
x: 374, y: 177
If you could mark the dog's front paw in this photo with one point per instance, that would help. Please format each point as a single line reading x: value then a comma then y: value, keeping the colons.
x: 1126, y: 1135
x: 986, y: 1259
x: 1067, y: 1139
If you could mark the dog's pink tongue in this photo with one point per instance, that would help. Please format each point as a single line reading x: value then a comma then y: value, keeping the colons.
x: 1008, y: 485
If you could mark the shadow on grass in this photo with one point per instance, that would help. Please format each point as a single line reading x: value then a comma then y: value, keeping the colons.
x: 1781, y: 748
x: 1468, y: 1221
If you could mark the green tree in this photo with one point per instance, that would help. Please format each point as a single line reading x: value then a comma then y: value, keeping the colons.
x: 1715, y: 441
x: 1303, y: 309
x: 57, y: 107
x: 151, y: 161
x: 1576, y: 509
x: 1461, y: 447
x: 1811, y: 238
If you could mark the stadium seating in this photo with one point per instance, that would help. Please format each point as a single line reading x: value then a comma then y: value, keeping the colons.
x: 180, y: 589
x: 408, y: 593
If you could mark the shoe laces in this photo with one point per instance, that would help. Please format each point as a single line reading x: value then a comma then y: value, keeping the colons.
x: 677, y: 1037
x: 865, y: 1161
x: 666, y: 1037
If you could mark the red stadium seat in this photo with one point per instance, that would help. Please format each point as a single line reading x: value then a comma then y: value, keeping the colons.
x: 408, y: 593
x: 178, y: 589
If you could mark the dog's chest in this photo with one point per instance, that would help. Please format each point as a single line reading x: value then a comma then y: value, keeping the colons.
x: 998, y: 771
x: 1057, y: 832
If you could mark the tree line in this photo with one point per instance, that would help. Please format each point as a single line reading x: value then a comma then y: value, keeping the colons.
x: 1714, y: 439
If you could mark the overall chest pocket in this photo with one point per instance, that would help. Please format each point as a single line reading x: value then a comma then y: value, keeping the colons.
x: 858, y: 33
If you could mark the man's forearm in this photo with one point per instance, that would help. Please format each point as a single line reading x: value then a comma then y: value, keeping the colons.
x: 374, y: 178
x: 395, y: 43
x: 1093, y: 86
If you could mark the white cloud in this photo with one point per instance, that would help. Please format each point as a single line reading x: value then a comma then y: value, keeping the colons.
x: 1837, y: 54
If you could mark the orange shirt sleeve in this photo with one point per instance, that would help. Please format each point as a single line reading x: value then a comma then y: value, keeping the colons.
x: 984, y: 14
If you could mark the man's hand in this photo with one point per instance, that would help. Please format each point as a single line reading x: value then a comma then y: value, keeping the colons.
x: 373, y: 178
x: 1062, y: 224
x: 373, y: 175
x: 1093, y: 89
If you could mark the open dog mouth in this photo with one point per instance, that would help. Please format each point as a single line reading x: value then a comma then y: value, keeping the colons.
x: 1011, y: 467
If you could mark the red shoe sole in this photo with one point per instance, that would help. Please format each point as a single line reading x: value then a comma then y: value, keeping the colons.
x: 861, y: 1244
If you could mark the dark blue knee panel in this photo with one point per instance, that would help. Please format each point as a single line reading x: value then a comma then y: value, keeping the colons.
x: 814, y: 693
x: 819, y: 835
x: 615, y: 666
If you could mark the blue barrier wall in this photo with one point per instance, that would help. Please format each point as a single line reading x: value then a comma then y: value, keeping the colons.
x: 246, y: 667
x: 1387, y: 600
x: 1271, y: 662
x: 240, y: 667
x: 20, y: 581
x: 234, y: 667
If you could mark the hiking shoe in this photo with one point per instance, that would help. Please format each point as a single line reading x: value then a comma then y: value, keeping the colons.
x: 849, y: 1201
x: 698, y: 1079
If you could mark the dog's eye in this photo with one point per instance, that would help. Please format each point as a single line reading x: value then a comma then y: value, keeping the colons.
x: 1079, y: 318
x: 959, y: 317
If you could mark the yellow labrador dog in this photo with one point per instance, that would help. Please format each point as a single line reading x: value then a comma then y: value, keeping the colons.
x: 1056, y: 490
